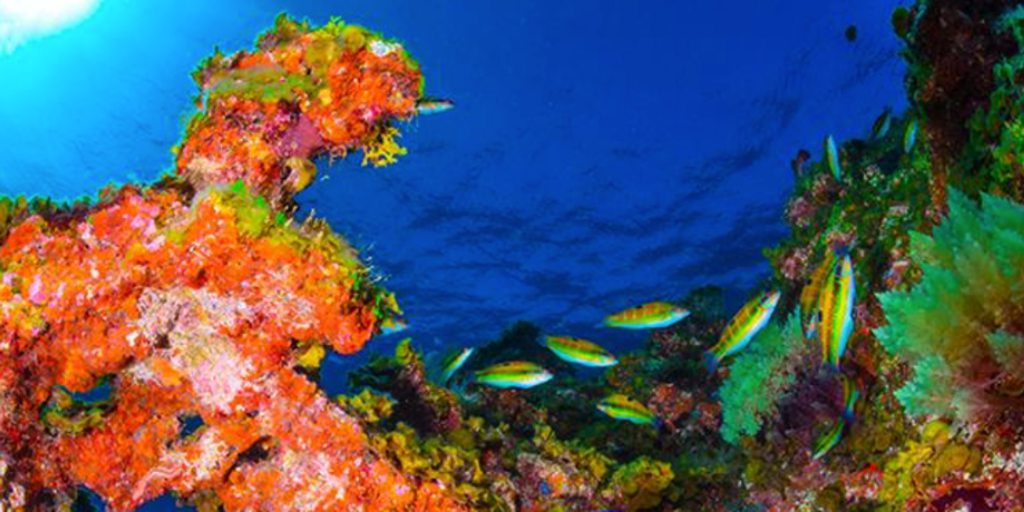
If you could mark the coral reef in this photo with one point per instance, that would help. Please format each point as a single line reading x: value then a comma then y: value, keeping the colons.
x: 178, y: 348
x: 923, y: 414
x: 420, y: 403
x: 200, y: 297
x: 301, y: 94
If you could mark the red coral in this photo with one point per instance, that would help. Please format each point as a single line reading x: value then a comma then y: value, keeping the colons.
x: 670, y: 404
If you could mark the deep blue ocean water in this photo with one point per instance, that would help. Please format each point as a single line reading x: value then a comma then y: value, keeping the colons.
x: 601, y: 153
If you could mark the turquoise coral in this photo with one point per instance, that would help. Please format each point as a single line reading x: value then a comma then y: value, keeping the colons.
x: 759, y: 377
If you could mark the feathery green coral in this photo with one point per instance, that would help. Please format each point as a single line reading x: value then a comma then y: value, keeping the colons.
x: 960, y: 328
x: 758, y: 377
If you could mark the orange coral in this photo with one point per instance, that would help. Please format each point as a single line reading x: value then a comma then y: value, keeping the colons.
x: 303, y: 94
x: 191, y: 296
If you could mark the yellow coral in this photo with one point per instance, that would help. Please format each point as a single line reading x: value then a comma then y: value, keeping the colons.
x: 383, y: 150
x: 367, y: 405
x: 938, y: 454
x: 310, y: 355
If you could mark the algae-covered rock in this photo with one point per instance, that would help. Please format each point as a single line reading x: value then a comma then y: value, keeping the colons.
x: 640, y: 485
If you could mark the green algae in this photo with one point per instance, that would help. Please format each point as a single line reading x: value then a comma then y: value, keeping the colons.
x: 265, y: 83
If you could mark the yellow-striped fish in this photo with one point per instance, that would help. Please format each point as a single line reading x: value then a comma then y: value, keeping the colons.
x: 812, y: 291
x: 652, y: 315
x: 514, y: 374
x: 623, y: 408
x: 454, y: 362
x: 392, y: 325
x: 881, y: 127
x: 742, y: 328
x: 910, y: 136
x: 832, y: 154
x: 428, y: 106
x: 835, y: 310
x: 831, y: 437
x: 580, y: 351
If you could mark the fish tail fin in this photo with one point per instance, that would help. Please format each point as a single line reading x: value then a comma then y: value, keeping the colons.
x: 711, y: 361
x: 828, y: 441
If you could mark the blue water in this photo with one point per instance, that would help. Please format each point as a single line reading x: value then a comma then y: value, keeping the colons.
x: 601, y: 154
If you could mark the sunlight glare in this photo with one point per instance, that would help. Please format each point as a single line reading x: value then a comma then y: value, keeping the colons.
x: 23, y: 20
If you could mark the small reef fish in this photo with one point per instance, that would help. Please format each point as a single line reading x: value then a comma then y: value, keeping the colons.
x: 455, y: 361
x: 750, y: 319
x: 653, y: 315
x: 910, y: 136
x: 623, y: 408
x: 829, y: 439
x: 429, y: 106
x: 881, y: 127
x: 514, y: 374
x: 580, y: 351
x: 851, y: 33
x: 392, y: 325
x: 825, y: 443
x: 835, y: 307
x: 809, y: 295
x: 832, y: 154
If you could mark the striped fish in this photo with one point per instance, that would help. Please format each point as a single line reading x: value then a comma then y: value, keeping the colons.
x: 392, y: 325
x: 623, y: 408
x: 832, y: 154
x: 455, y: 361
x: 829, y: 439
x: 428, y: 106
x: 881, y: 127
x: 580, y: 351
x: 742, y: 328
x: 835, y: 310
x: 514, y: 374
x: 812, y: 291
x: 652, y: 315
x: 910, y: 136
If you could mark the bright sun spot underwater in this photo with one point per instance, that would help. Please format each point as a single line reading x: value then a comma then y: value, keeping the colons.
x: 23, y: 20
